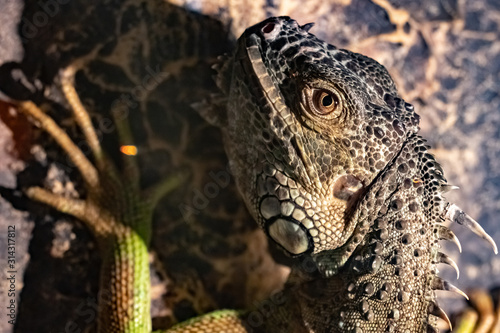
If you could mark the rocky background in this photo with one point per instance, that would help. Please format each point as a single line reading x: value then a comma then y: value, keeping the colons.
x: 443, y: 54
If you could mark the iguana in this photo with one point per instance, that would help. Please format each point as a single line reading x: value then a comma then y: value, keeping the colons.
x: 328, y: 160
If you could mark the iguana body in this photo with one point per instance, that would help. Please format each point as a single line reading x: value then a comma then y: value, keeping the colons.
x: 327, y: 157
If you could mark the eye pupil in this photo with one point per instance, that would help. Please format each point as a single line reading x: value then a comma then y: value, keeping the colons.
x: 327, y: 100
x: 323, y: 102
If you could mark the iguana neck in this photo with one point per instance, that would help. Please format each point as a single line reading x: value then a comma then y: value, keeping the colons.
x: 388, y: 282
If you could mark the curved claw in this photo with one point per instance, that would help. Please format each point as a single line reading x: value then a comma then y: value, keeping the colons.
x: 456, y: 214
x: 457, y: 242
x: 440, y: 284
x: 447, y: 188
x: 435, y: 310
x: 447, y: 234
x: 444, y: 259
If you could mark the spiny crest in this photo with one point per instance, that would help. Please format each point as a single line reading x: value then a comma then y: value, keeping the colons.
x: 221, y: 78
x: 212, y: 109
x: 440, y: 210
x: 454, y: 214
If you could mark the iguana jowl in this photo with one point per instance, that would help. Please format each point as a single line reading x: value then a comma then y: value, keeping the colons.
x: 327, y: 157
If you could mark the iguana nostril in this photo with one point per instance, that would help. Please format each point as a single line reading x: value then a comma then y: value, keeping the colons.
x: 268, y: 28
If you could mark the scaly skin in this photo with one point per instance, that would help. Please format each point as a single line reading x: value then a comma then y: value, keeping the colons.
x: 118, y: 213
x: 327, y: 157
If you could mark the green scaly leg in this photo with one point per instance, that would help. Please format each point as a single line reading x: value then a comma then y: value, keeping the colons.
x: 119, y: 215
x: 117, y: 211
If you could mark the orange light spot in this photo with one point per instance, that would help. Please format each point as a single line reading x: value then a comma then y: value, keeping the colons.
x: 129, y: 150
x: 417, y: 180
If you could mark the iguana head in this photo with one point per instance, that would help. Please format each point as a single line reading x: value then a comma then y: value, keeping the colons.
x: 327, y: 157
x: 308, y: 128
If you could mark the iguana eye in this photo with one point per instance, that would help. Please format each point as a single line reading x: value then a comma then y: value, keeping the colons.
x: 323, y: 102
